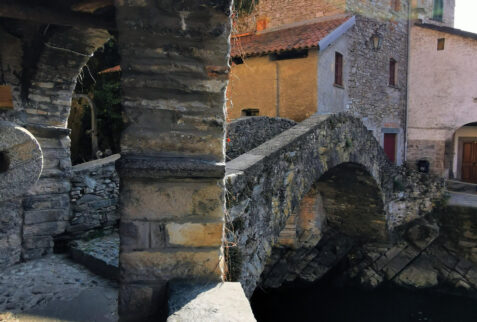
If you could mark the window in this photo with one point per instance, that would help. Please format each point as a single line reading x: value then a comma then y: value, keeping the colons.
x: 441, y: 43
x: 392, y: 72
x: 292, y: 54
x: 390, y: 146
x: 250, y: 112
x: 396, y: 5
x: 338, y: 69
x: 438, y: 11
x: 237, y: 60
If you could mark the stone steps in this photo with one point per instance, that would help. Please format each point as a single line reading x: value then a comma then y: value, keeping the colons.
x: 459, y: 186
x: 100, y: 255
x: 462, y: 199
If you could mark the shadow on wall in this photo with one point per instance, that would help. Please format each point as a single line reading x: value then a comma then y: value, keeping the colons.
x: 353, y: 202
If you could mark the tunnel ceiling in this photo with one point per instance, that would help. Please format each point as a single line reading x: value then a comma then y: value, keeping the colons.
x: 72, y: 13
x: 353, y: 202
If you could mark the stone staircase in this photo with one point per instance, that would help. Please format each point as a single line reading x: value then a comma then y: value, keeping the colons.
x: 462, y: 194
x: 100, y: 255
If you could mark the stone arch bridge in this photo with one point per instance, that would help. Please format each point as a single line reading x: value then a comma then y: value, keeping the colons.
x: 175, y: 69
x: 323, y: 177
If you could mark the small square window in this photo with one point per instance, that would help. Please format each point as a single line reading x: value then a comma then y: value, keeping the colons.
x: 250, y: 112
x: 441, y: 42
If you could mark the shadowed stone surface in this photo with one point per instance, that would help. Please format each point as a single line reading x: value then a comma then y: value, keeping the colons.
x: 100, y: 255
x: 54, y: 288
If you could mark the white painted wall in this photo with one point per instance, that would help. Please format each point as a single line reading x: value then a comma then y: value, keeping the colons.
x: 442, y: 85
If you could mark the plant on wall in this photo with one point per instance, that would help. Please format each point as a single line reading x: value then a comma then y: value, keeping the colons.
x: 245, y: 6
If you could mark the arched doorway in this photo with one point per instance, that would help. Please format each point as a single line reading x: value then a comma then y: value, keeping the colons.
x: 465, y: 153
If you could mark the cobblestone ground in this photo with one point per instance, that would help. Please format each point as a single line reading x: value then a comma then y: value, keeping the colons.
x: 54, y: 288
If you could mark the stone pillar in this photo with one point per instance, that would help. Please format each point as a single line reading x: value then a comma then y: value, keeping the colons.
x: 175, y: 71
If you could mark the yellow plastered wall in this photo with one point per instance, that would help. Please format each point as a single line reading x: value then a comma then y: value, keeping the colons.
x: 261, y: 83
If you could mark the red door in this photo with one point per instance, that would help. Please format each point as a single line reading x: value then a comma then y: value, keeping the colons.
x: 390, y: 146
x: 469, y: 162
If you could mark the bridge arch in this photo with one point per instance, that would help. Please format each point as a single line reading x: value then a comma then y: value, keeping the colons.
x: 266, y: 186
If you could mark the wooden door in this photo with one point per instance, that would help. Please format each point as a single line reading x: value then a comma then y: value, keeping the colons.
x: 469, y: 162
x: 390, y: 146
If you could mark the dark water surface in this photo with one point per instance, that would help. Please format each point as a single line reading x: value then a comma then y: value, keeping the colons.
x: 328, y: 304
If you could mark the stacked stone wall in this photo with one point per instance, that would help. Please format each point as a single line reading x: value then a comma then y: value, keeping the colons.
x: 247, y: 133
x: 42, y: 77
x: 94, y: 197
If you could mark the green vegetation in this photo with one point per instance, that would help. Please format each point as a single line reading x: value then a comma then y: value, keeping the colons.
x: 245, y: 6
x: 105, y: 91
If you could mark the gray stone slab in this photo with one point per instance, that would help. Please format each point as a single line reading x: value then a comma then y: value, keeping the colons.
x: 222, y: 302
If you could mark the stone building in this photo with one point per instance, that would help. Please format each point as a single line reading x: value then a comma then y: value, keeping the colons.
x: 351, y: 57
x: 440, y: 110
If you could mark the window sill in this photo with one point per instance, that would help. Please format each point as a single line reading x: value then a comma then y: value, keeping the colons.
x: 339, y: 86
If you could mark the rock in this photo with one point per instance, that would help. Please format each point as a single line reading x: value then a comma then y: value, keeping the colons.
x: 419, y: 274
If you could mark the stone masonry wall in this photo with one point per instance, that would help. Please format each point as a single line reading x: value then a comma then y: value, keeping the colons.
x: 94, y: 197
x: 247, y: 133
x: 175, y: 71
x: 371, y: 98
x: 42, y: 76
x: 265, y: 186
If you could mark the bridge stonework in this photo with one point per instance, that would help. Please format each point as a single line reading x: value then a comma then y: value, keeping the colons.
x: 266, y: 186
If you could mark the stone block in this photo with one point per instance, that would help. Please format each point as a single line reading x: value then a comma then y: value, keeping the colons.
x: 42, y: 216
x: 60, y: 201
x: 142, y: 302
x: 50, y: 186
x: 195, y: 235
x: 147, y: 200
x: 208, y: 302
x: 169, y: 264
x: 158, y: 235
x: 44, y: 229
x: 134, y: 235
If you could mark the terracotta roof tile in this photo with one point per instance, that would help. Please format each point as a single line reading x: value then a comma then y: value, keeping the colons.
x: 300, y: 37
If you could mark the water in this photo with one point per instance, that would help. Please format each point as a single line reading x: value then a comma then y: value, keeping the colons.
x: 331, y: 304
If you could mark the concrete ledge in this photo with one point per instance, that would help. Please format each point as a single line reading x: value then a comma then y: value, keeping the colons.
x: 96, y: 163
x: 208, y: 302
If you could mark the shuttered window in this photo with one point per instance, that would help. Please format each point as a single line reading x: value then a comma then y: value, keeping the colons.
x: 338, y: 69
x: 438, y: 11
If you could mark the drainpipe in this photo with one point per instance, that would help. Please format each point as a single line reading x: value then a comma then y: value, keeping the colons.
x: 94, y: 123
x: 278, y: 88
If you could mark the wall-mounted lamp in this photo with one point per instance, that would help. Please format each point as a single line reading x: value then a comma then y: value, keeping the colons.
x: 376, y: 41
